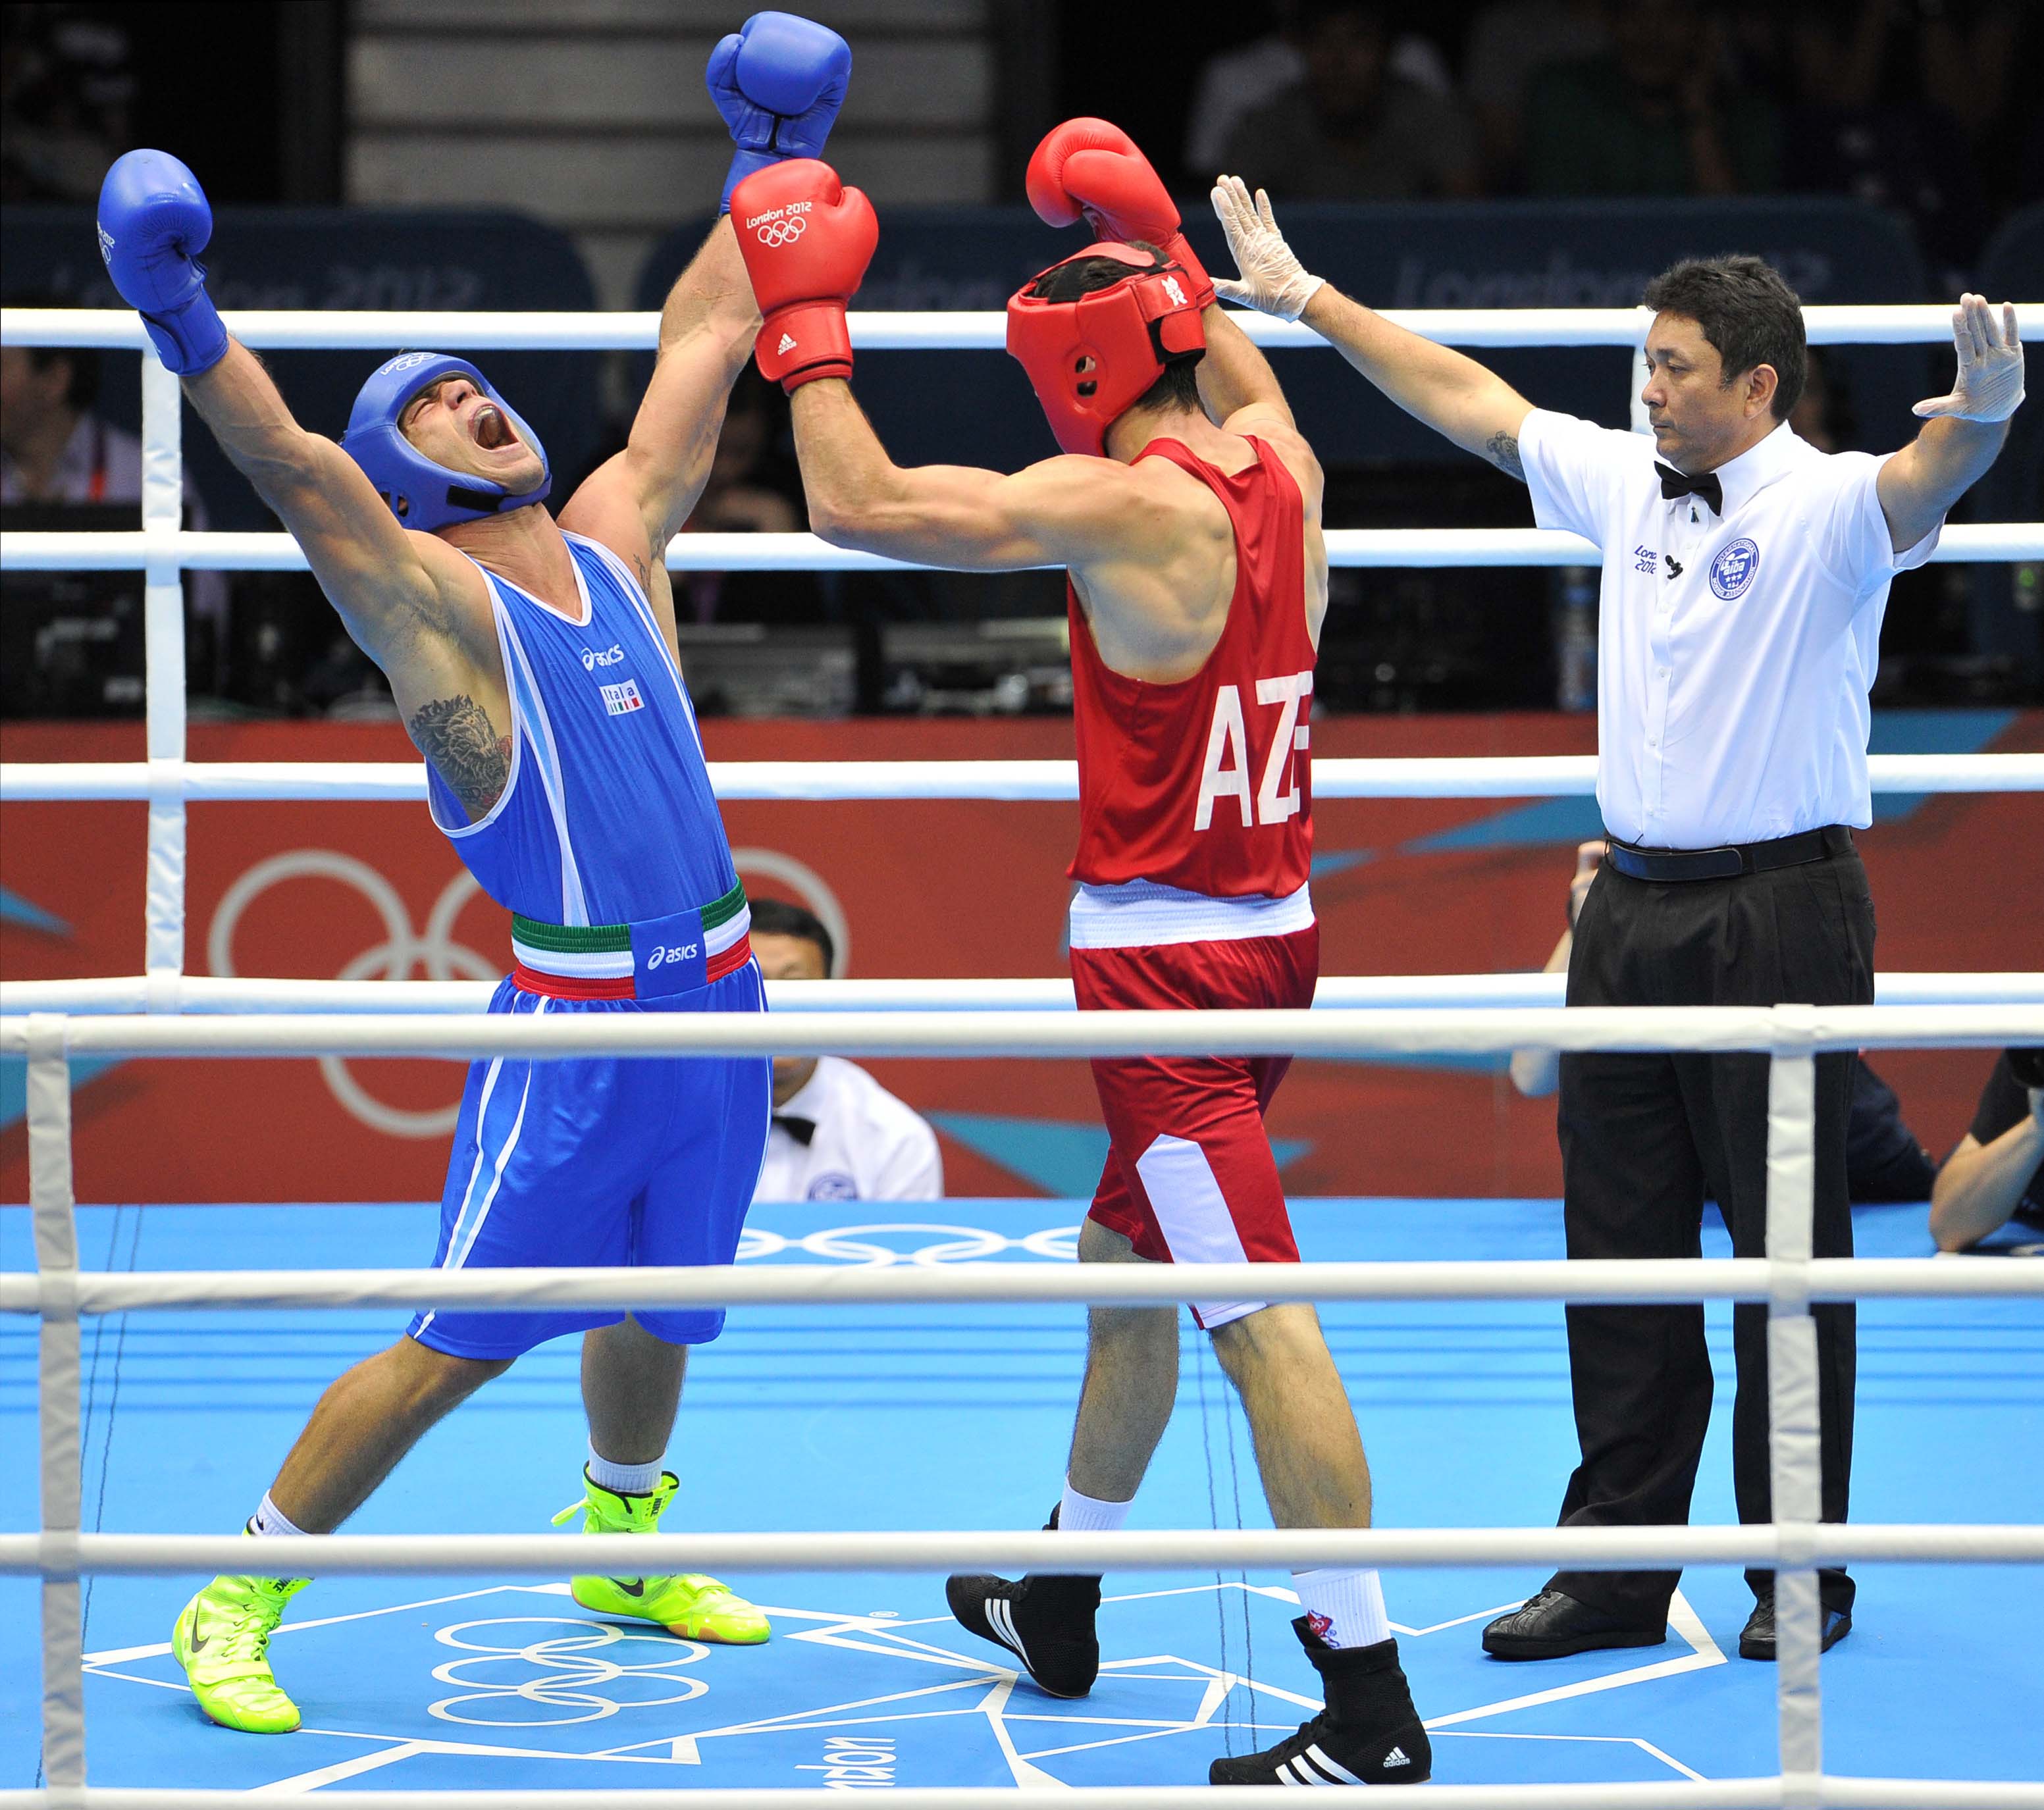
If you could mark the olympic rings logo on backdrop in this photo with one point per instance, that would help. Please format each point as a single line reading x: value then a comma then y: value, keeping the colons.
x: 401, y: 950
x: 514, y: 1686
x: 433, y: 950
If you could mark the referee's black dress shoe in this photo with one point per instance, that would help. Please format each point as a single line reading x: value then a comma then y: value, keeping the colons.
x: 1554, y: 1624
x: 1756, y: 1641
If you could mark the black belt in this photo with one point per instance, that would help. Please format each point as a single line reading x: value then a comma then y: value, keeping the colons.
x: 1729, y: 862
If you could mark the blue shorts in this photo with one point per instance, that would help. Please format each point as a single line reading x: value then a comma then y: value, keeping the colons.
x: 603, y: 1160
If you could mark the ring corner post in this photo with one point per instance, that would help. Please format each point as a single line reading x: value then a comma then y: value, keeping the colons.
x: 164, y: 639
x: 52, y: 1200
x: 1795, y: 1447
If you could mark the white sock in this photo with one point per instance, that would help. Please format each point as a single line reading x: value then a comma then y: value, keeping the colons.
x: 1351, y: 1604
x: 1078, y: 1514
x: 269, y: 1519
x: 624, y: 1479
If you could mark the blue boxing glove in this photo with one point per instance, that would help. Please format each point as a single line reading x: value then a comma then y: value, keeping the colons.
x: 778, y: 81
x: 153, y: 223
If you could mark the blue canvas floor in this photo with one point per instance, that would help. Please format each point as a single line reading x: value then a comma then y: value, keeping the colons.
x: 947, y: 1417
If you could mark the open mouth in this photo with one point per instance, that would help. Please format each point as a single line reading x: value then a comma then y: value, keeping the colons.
x: 492, y: 431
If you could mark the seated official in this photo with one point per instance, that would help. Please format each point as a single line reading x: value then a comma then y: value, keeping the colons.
x: 838, y: 1135
x: 1884, y: 1160
x: 1997, y: 1174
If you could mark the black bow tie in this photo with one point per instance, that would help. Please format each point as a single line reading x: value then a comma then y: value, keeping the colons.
x: 803, y: 1131
x: 1675, y: 484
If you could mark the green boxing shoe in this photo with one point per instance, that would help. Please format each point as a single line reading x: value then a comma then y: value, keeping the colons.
x: 693, y: 1606
x: 222, y: 1640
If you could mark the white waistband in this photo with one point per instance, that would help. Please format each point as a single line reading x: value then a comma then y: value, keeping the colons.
x: 1140, y: 913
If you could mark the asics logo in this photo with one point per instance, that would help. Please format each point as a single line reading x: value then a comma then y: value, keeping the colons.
x: 779, y: 232
x: 673, y: 952
x: 611, y: 656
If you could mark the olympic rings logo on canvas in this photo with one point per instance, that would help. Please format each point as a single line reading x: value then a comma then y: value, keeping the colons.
x: 515, y: 1684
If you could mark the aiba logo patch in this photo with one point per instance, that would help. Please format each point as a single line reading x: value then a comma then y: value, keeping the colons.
x: 1732, y: 570
x: 620, y: 700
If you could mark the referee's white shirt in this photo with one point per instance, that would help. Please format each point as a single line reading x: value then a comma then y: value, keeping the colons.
x: 868, y: 1146
x: 1734, y: 654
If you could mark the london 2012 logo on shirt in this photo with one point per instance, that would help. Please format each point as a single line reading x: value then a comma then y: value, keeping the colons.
x: 1732, y: 570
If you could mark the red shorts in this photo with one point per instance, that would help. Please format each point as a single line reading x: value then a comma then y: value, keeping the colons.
x: 1190, y: 1176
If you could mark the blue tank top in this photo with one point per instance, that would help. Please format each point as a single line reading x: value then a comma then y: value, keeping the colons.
x: 607, y: 817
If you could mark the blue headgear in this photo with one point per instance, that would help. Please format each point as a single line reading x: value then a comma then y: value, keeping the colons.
x: 423, y: 493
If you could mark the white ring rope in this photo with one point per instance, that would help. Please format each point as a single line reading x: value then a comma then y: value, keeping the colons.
x: 1337, y: 1032
x: 325, y: 329
x: 123, y: 551
x: 1629, y: 1282
x: 1015, y: 782
x: 211, y: 994
x: 1593, y: 1549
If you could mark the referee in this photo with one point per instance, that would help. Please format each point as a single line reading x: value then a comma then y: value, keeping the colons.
x: 1745, y: 574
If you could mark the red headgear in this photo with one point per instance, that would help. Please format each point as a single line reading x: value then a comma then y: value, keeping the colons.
x: 1089, y: 360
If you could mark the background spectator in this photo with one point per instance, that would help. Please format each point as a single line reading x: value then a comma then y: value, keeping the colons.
x: 1236, y: 82
x: 1655, y: 115
x: 838, y: 1135
x: 1997, y: 1173
x: 66, y: 91
x: 1510, y: 42
x: 1353, y: 129
x: 54, y: 448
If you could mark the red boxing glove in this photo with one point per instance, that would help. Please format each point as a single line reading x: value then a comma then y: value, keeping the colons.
x: 806, y: 240
x: 1088, y: 167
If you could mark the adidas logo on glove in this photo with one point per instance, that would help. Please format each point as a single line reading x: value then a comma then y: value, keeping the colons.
x: 787, y: 344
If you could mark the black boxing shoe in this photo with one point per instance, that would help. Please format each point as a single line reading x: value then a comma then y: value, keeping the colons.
x: 1045, y: 1621
x: 1757, y: 1641
x: 1369, y: 1734
x: 1554, y: 1624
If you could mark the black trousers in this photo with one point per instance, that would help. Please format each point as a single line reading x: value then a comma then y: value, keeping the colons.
x: 1645, y: 1140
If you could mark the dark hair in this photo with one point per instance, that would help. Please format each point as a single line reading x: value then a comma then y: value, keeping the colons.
x: 1179, y: 386
x: 1746, y: 311
x: 81, y: 362
x: 776, y: 917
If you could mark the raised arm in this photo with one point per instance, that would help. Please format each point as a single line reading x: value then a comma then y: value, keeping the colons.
x: 1455, y: 395
x: 1237, y: 385
x: 1964, y: 430
x: 1062, y: 512
x: 154, y: 220
x: 384, y: 580
x: 637, y: 499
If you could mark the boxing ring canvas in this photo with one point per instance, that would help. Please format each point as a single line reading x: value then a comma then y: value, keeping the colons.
x: 943, y: 1417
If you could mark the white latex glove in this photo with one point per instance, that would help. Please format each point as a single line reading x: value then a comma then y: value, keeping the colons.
x: 1989, y: 384
x: 1274, y: 282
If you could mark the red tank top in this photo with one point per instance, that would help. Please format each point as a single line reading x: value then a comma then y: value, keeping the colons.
x: 1205, y: 784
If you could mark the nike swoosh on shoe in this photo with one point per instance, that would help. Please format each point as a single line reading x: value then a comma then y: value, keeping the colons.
x: 631, y: 1586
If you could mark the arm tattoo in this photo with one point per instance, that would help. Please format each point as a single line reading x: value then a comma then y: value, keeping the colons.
x: 456, y: 735
x: 1502, y: 449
